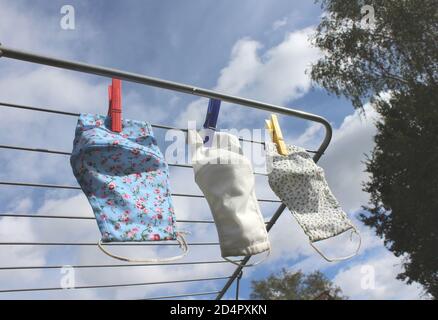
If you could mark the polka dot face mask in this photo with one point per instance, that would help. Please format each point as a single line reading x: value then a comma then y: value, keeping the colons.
x: 125, y: 178
x: 302, y: 187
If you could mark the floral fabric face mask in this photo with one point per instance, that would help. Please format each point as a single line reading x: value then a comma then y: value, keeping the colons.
x: 125, y: 178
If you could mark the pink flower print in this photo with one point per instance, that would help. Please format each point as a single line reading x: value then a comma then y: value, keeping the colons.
x: 115, y: 142
x: 103, y: 217
x: 137, y: 175
x: 169, y: 229
x: 170, y: 219
x: 159, y: 211
x: 145, y: 211
x: 157, y: 191
x: 126, y: 196
x: 117, y: 226
x: 155, y: 237
x: 125, y: 135
x: 98, y: 123
x: 125, y: 218
x: 112, y: 185
x: 135, y: 152
x: 139, y: 205
x: 110, y: 202
x: 159, y: 216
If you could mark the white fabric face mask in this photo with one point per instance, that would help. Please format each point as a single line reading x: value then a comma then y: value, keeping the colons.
x: 302, y: 187
x: 226, y: 178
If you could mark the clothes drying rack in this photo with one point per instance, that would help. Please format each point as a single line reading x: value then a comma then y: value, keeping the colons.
x: 11, y: 53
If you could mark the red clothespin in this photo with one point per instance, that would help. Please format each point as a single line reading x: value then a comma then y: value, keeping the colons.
x: 115, y: 105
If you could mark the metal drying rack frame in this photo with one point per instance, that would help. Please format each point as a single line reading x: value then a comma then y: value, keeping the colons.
x: 11, y: 53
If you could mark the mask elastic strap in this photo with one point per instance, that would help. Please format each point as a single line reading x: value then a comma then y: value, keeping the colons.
x: 252, y: 264
x: 354, y: 230
x: 179, y: 237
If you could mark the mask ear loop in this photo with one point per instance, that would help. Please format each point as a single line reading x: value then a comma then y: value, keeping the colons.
x: 179, y: 237
x: 252, y: 264
x: 354, y: 230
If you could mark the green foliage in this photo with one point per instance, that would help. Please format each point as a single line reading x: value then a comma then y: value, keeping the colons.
x: 398, y: 55
x: 295, y: 286
x: 404, y: 183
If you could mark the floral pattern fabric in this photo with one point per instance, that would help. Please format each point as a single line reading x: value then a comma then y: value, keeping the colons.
x: 125, y: 178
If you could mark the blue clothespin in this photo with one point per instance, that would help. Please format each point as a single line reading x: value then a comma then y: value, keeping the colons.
x: 214, y: 106
x: 212, y: 114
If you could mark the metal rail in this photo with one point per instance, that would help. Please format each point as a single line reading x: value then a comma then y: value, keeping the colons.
x: 57, y: 186
x: 60, y: 112
x: 48, y: 216
x: 127, y: 265
x: 113, y: 285
x: 174, y: 86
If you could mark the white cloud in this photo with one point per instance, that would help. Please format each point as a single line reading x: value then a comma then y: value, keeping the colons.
x: 276, y: 76
x: 279, y: 23
x: 345, y: 158
x: 375, y: 278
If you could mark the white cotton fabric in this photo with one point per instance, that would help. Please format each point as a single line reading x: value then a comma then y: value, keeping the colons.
x: 301, y: 186
x: 226, y: 178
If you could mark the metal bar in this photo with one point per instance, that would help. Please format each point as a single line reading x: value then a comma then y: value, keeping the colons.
x: 92, y: 266
x: 112, y: 285
x: 158, y: 126
x: 238, y: 284
x: 183, y: 295
x: 106, y: 244
x: 159, y: 83
x: 46, y: 216
x: 64, y: 153
x: 56, y: 186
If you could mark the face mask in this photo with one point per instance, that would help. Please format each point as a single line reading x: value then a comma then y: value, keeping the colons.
x: 302, y: 187
x: 226, y: 178
x: 125, y: 179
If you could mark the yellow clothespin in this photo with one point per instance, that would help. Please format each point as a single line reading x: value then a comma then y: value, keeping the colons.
x: 274, y: 129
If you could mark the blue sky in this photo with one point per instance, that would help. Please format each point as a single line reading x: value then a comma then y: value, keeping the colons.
x: 254, y: 49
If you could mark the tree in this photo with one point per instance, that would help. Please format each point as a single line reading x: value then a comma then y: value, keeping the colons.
x: 404, y: 184
x: 397, y: 53
x: 295, y: 286
x: 361, y: 60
